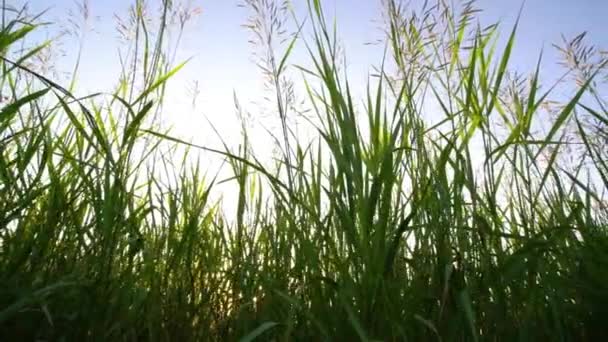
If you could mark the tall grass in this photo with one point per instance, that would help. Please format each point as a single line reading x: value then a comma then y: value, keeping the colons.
x: 438, y: 210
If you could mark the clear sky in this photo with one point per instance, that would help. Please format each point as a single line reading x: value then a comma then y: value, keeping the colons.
x: 222, y: 62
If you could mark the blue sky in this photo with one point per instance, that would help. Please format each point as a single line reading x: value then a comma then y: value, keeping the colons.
x: 222, y: 61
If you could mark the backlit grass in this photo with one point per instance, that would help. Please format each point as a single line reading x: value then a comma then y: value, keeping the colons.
x: 434, y: 208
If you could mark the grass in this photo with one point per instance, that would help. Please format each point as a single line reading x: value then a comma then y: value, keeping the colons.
x: 438, y: 210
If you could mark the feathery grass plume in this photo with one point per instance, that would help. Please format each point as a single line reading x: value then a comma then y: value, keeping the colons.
x: 268, y: 26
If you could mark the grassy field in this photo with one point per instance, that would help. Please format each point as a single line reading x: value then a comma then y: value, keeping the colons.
x: 460, y: 203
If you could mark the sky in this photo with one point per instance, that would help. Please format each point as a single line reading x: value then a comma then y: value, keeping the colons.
x: 222, y: 64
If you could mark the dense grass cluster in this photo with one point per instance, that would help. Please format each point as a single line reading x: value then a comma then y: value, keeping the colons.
x: 440, y: 209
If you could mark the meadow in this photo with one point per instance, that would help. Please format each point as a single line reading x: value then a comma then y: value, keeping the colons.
x: 454, y: 201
